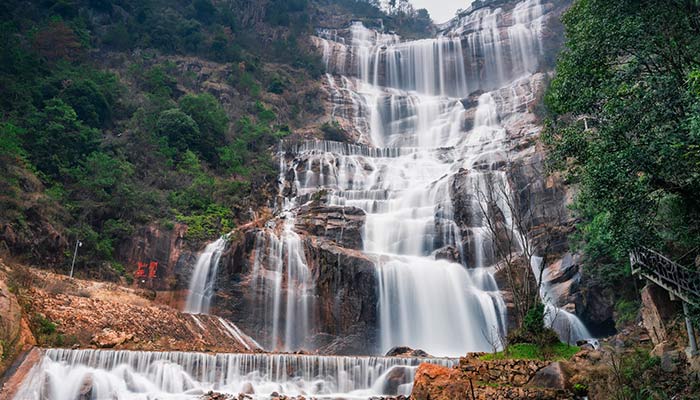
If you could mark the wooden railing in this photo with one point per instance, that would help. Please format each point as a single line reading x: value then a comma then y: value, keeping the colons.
x: 683, y: 282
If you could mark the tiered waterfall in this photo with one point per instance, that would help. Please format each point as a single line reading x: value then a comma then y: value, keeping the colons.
x: 432, y: 123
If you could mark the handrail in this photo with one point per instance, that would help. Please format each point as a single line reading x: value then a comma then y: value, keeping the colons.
x: 681, y: 281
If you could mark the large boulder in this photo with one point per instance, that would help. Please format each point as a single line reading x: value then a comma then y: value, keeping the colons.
x: 435, y: 382
x: 404, y: 351
x: 553, y: 376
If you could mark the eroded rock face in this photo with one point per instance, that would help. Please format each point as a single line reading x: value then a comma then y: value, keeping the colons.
x: 15, y: 336
x: 657, y: 308
x: 344, y: 304
x: 164, y: 246
x: 342, y: 225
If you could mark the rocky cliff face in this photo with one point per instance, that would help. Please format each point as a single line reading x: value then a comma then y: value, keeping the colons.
x: 344, y: 311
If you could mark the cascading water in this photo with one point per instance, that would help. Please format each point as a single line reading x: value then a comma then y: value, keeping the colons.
x: 109, y: 374
x: 408, y: 106
x: 203, y: 278
x: 567, y: 325
x: 408, y: 97
x: 284, y: 284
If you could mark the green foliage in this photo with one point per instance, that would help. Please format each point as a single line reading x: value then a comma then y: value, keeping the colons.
x: 159, y: 82
x: 44, y: 325
x: 333, y: 131
x: 214, y: 221
x: 57, y: 139
x: 625, y: 312
x: 624, y: 127
x: 89, y: 103
x: 10, y: 141
x: 527, y: 351
x: 211, y: 120
x: 244, y: 155
x: 533, y: 323
x: 181, y: 131
x: 580, y: 389
x: 46, y: 332
x: 100, y: 154
x: 276, y: 86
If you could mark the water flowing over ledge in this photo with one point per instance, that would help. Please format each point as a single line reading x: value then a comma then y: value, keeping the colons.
x: 203, y: 278
x: 434, y: 121
x: 65, y: 374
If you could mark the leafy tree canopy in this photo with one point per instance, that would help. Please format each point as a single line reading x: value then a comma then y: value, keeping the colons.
x: 625, y: 119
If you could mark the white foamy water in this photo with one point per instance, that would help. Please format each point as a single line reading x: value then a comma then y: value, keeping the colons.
x: 108, y: 374
x: 203, y: 278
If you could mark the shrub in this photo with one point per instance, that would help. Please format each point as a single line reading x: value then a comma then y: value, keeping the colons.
x: 333, y: 131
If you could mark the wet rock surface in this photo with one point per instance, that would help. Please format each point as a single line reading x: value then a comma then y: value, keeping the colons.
x: 403, y: 351
x: 341, y: 225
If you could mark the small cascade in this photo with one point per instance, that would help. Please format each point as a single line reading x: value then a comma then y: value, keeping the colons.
x: 283, y: 286
x: 203, y: 278
x: 568, y: 326
x: 105, y: 374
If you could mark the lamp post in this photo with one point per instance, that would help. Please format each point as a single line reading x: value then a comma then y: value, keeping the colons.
x: 78, y: 243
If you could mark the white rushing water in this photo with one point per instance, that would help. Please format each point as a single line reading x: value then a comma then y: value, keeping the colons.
x: 108, y: 374
x: 405, y: 103
x: 405, y: 97
x: 203, y: 278
x: 569, y: 327
x: 283, y: 282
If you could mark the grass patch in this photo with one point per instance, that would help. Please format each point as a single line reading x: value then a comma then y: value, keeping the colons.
x: 528, y: 351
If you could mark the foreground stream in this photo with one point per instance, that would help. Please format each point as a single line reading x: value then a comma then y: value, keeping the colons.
x: 111, y: 374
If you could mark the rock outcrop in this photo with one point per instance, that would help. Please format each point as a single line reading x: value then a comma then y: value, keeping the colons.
x: 657, y: 310
x: 167, y: 248
x: 15, y: 335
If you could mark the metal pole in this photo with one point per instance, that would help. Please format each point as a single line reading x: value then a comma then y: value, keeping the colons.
x: 691, y: 331
x: 75, y: 253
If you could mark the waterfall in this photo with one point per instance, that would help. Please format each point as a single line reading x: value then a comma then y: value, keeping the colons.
x: 106, y: 374
x: 568, y: 326
x: 203, y: 278
x: 282, y: 281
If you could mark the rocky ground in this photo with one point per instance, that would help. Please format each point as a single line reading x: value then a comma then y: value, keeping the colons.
x: 86, y: 314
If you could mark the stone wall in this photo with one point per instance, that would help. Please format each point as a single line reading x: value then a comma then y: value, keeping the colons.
x: 433, y: 382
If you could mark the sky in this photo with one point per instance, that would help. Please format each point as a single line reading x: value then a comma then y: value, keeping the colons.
x: 441, y: 10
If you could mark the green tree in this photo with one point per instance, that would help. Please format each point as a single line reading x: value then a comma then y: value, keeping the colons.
x: 58, y: 139
x: 10, y: 141
x: 624, y: 126
x: 89, y: 103
x: 179, y: 128
x: 211, y: 119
